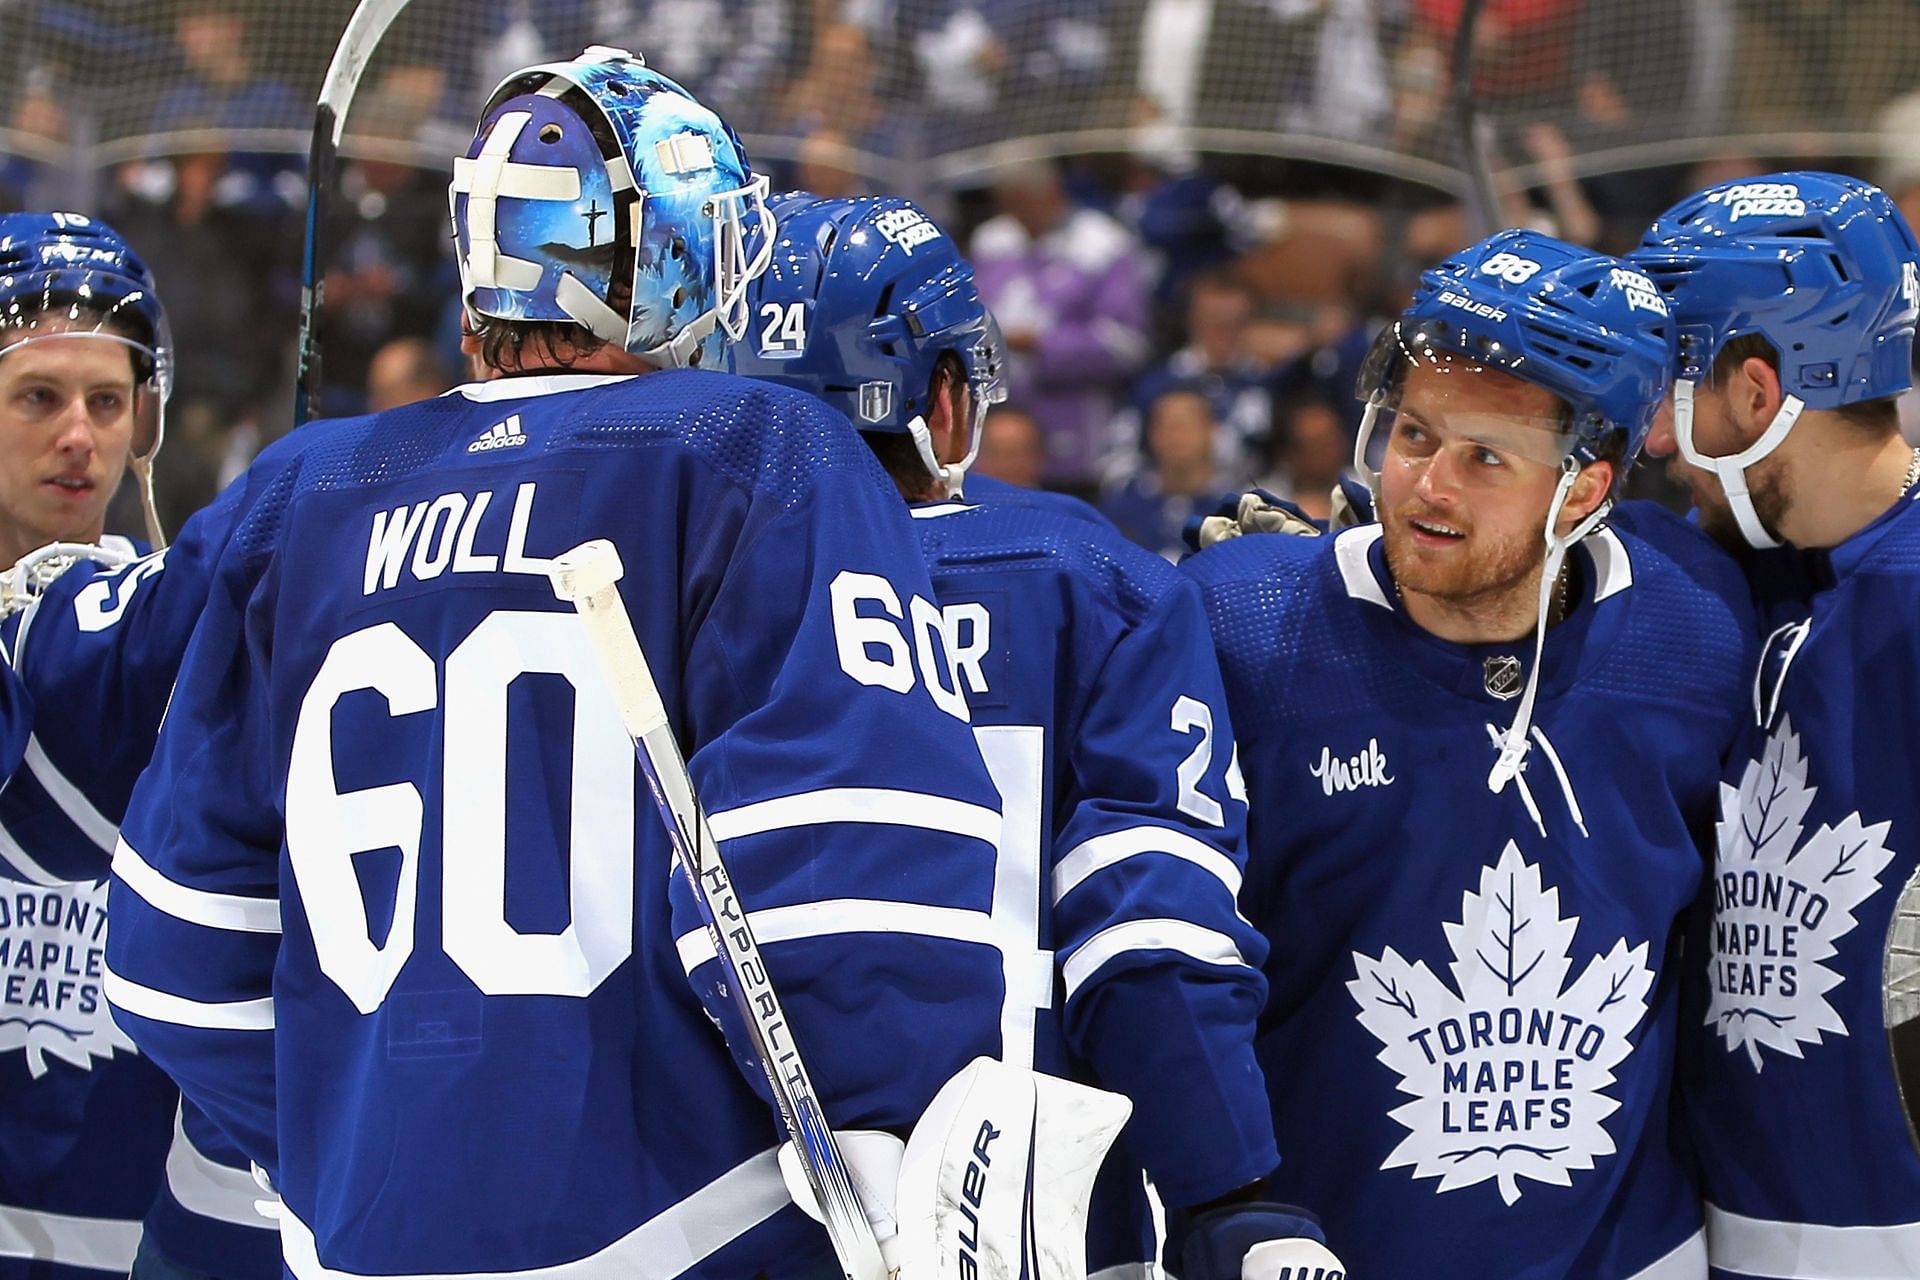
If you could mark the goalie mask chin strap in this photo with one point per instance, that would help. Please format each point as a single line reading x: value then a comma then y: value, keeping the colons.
x: 1732, y: 470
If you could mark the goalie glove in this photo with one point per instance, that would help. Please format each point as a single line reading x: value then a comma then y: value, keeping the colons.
x: 1257, y: 1240
x: 1256, y: 511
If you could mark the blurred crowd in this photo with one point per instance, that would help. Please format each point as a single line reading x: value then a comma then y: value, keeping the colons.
x: 1189, y: 216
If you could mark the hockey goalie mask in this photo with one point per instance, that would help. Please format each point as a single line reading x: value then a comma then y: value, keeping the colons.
x: 861, y: 300
x: 1822, y: 267
x: 64, y: 275
x: 600, y: 192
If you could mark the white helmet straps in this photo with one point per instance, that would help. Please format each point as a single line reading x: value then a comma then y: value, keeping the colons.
x: 1732, y: 470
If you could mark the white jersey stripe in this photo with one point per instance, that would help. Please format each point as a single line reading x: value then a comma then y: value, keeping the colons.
x: 210, y: 1189
x: 23, y: 867
x: 233, y: 1015
x: 196, y: 906
x: 1191, y: 940
x: 846, y: 915
x: 104, y: 1244
x: 79, y: 810
x: 1758, y: 1247
x: 1686, y: 1261
x: 666, y: 1245
x: 858, y: 804
x: 1103, y: 851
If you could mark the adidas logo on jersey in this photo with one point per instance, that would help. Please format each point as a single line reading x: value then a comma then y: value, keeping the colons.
x: 501, y: 435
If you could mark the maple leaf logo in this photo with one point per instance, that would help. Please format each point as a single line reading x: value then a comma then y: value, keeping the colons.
x: 53, y: 1006
x: 1781, y: 904
x: 1505, y: 1067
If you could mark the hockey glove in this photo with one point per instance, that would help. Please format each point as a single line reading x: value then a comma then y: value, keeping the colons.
x: 1257, y: 1240
x: 1254, y: 512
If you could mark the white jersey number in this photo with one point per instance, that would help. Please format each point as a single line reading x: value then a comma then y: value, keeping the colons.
x: 327, y: 829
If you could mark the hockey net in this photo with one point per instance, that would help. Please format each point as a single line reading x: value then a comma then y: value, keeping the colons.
x: 920, y: 96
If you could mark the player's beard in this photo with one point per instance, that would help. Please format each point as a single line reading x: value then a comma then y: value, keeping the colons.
x: 1766, y: 482
x: 1486, y: 570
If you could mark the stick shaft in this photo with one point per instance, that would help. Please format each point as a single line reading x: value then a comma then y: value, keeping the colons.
x: 587, y: 577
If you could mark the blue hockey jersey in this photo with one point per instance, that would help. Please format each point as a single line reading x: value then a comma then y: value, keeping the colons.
x: 986, y: 491
x: 1470, y: 1034
x: 391, y: 904
x: 93, y: 1137
x: 1098, y: 705
x: 1788, y: 1082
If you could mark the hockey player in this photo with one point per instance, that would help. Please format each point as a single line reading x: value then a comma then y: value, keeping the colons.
x: 389, y: 902
x: 92, y: 1137
x: 1795, y: 294
x: 1480, y: 740
x: 1097, y: 702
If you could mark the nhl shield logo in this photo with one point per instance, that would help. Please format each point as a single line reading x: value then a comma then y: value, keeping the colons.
x: 1503, y: 677
x: 876, y: 401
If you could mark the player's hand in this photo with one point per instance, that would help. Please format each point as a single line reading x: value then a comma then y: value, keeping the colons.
x: 1352, y: 504
x: 1254, y: 512
x: 1257, y: 1240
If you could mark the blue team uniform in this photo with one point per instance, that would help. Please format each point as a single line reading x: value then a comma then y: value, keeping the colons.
x: 95, y: 1136
x: 1468, y: 1042
x: 1787, y: 1051
x: 991, y: 492
x: 418, y: 963
x: 1098, y: 705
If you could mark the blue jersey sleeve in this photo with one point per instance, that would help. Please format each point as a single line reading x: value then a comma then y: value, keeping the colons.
x: 194, y: 918
x: 98, y: 651
x: 1162, y: 973
x: 850, y: 802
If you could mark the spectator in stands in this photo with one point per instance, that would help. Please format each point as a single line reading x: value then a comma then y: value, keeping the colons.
x: 219, y: 87
x: 836, y: 91
x: 1011, y: 448
x: 403, y: 371
x: 1216, y: 362
x: 1066, y: 285
x: 734, y: 52
x: 1306, y: 454
x: 389, y: 271
x: 992, y: 69
x: 1152, y: 507
x: 828, y: 166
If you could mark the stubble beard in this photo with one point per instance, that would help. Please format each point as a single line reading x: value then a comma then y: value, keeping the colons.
x: 1497, y: 574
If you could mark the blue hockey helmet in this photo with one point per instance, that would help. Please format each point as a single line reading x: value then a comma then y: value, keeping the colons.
x: 1590, y: 328
x: 1587, y: 327
x: 64, y: 273
x: 1821, y: 267
x: 599, y: 192
x: 862, y: 298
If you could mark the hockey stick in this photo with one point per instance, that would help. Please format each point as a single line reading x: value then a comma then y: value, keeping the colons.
x: 369, y: 22
x: 1901, y: 1001
x: 587, y: 578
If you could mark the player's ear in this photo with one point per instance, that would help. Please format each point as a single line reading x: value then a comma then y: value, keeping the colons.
x: 1755, y: 395
x: 1590, y: 489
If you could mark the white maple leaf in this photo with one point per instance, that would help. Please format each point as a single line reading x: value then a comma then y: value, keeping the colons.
x: 29, y: 1021
x: 1782, y: 903
x: 1506, y: 1066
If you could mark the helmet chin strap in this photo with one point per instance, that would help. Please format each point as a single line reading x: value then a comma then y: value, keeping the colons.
x: 1361, y: 441
x: 1732, y: 470
x: 1514, y: 745
x: 952, y: 477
